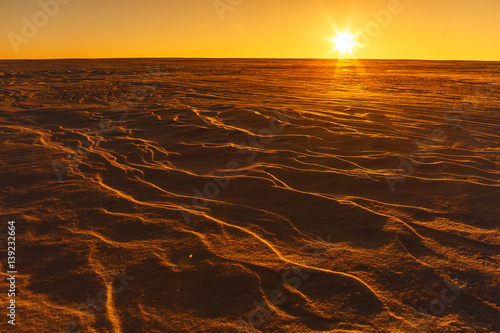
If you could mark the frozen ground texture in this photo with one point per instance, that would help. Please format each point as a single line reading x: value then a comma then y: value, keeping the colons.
x: 252, y: 195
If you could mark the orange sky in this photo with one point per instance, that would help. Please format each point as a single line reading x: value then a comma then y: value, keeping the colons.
x: 416, y: 29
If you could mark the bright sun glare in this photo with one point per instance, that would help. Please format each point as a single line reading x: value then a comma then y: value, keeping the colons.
x: 344, y: 42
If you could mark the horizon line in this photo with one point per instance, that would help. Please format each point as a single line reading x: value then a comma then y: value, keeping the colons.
x: 243, y: 58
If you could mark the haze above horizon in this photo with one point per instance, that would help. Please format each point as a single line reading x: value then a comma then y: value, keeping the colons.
x: 382, y: 29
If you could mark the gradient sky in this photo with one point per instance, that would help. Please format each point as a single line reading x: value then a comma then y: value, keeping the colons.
x: 425, y: 29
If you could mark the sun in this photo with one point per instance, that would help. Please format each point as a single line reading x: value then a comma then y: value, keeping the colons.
x: 344, y: 42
